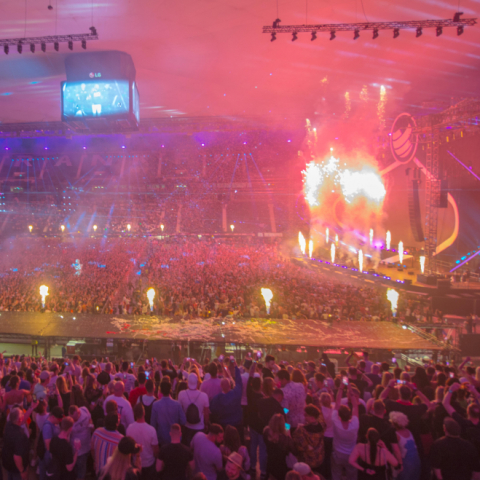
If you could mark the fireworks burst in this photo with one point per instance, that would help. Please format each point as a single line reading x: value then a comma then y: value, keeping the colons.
x: 353, y: 183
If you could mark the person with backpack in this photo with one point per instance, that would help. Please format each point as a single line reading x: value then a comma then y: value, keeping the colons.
x: 146, y: 436
x: 50, y: 429
x: 195, y: 404
x: 147, y: 400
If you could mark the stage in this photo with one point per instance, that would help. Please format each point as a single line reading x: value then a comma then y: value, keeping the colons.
x: 307, y: 333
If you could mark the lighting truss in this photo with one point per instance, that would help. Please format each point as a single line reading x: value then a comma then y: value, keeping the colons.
x: 375, y: 27
x: 53, y: 39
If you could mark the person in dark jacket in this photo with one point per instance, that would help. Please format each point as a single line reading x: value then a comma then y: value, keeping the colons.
x: 226, y: 407
x: 17, y: 448
x: 308, y: 438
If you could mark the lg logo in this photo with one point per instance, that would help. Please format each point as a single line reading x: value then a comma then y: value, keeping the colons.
x: 94, y: 75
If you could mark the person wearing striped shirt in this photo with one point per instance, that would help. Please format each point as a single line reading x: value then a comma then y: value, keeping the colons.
x: 104, y: 441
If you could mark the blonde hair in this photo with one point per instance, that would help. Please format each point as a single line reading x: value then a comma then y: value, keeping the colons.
x: 398, y: 419
x: 387, y: 376
x: 117, y: 466
x: 276, y: 427
x: 326, y: 400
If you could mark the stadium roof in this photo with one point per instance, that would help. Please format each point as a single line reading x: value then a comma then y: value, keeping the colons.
x: 210, y: 58
x: 372, y: 335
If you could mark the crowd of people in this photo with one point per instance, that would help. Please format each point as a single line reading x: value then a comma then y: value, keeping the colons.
x: 198, y: 277
x: 223, y: 420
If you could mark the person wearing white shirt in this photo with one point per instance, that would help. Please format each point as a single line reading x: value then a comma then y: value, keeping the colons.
x: 125, y: 411
x: 145, y: 435
x: 345, y: 430
x: 200, y: 399
x: 127, y: 378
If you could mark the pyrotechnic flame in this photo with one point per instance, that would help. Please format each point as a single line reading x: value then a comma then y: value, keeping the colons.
x: 348, y: 105
x: 364, y: 94
x: 310, y: 248
x: 43, y: 294
x: 302, y: 242
x: 62, y: 228
x: 381, y: 106
x: 400, y: 251
x: 327, y: 232
x: 356, y: 183
x: 267, y: 296
x: 332, y: 253
x: 129, y: 227
x: 422, y: 264
x: 388, y: 239
x: 371, y: 236
x: 151, y: 296
x: 360, y: 261
x: 392, y: 296
x: 336, y: 239
x: 232, y: 227
x: 94, y: 228
x: 30, y: 228
x: 162, y: 226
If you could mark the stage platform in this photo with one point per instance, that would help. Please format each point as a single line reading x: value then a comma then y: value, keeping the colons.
x: 308, y: 333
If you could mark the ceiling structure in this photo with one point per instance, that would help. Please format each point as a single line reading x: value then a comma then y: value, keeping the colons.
x: 210, y: 57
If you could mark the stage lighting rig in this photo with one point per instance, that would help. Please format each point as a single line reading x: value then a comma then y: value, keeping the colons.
x: 439, y: 31
x: 274, y: 37
x: 294, y: 36
x: 418, y: 25
x: 314, y: 36
x: 53, y: 39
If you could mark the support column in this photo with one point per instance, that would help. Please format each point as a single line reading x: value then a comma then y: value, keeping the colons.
x: 224, y: 217
x: 272, y: 218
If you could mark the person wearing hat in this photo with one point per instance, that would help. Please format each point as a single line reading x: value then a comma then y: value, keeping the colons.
x: 41, y: 389
x: 454, y: 458
x: 305, y: 471
x: 50, y: 429
x: 196, y: 405
x: 233, y: 469
x: 121, y: 464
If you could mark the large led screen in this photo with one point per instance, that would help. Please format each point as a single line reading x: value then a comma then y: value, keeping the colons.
x: 96, y: 98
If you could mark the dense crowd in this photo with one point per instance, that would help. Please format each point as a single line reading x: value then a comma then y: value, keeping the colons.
x: 202, y: 277
x: 68, y: 419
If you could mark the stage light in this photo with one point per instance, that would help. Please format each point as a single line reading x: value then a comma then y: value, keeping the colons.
x: 459, y: 30
x: 276, y: 22
x: 274, y: 37
x: 19, y: 48
x: 396, y: 32
x: 70, y: 45
x: 43, y: 47
x: 456, y: 16
x: 294, y: 36
x: 419, y: 32
x: 93, y: 30
x: 6, y: 49
x: 123, y: 146
x: 439, y: 31
x: 332, y: 35
x: 375, y: 33
x: 356, y: 34
x: 314, y: 36
x: 84, y: 44
x: 56, y: 46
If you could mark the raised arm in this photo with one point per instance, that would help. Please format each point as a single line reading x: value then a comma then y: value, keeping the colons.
x: 448, y: 398
x: 338, y: 400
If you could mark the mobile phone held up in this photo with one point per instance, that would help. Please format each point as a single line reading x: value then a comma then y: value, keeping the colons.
x: 345, y: 380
